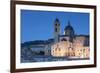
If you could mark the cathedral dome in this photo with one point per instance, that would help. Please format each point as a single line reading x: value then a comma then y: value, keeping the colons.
x: 69, y: 27
x: 57, y: 20
x: 69, y: 31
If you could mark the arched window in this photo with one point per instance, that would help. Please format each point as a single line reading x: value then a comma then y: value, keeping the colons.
x: 55, y: 49
x: 56, y: 29
x: 83, y: 50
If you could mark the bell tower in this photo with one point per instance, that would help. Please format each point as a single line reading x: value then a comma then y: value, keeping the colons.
x: 56, y: 30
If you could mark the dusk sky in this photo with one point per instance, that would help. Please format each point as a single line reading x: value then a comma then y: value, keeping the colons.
x: 39, y: 25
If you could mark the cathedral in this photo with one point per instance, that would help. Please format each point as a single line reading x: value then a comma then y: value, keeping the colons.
x: 67, y: 45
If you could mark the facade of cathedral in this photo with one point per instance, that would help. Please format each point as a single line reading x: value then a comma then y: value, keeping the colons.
x: 67, y: 45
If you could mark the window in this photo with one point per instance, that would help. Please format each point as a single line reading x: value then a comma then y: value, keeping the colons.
x: 83, y: 50
x: 56, y: 29
x: 59, y: 49
x: 56, y: 49
x: 56, y: 24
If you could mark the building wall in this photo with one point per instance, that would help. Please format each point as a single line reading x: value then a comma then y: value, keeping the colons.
x: 81, y: 51
x: 86, y: 52
x: 60, y: 49
x: 69, y: 49
x: 79, y: 41
x: 47, y: 49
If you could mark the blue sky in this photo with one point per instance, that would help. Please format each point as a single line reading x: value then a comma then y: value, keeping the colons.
x: 39, y: 25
